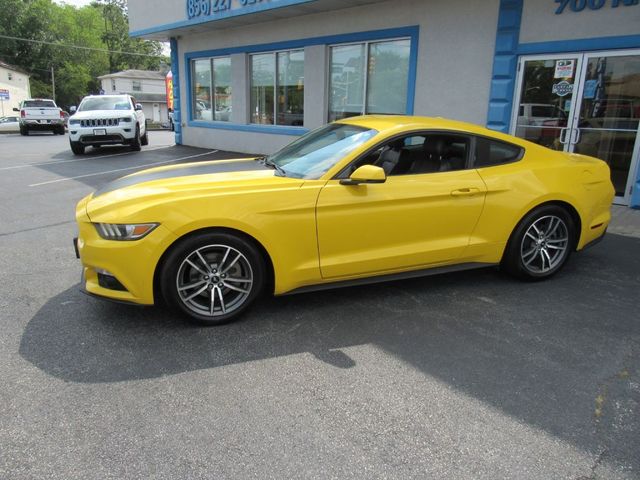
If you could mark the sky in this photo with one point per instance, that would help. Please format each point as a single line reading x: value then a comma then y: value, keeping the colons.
x: 77, y: 3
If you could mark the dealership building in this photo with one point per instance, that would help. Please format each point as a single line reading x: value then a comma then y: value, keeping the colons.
x: 252, y: 75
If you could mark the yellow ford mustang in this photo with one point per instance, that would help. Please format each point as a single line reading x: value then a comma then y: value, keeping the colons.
x: 365, y: 199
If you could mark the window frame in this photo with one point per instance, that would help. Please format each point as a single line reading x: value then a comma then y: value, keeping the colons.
x: 367, y: 55
x: 274, y: 54
x: 468, y: 164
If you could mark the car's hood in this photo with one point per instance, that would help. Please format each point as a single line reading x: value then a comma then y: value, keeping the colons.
x: 101, y: 114
x: 142, y: 189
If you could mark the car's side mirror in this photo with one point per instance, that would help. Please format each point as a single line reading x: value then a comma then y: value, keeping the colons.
x: 72, y: 110
x: 16, y: 109
x: 365, y: 174
x: 138, y: 107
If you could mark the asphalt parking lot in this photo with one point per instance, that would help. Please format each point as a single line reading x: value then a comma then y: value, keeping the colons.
x: 469, y: 375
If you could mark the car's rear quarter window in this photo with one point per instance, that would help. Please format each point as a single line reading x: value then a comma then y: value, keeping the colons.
x: 493, y: 152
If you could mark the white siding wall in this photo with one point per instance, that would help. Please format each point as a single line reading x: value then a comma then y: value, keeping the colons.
x: 125, y: 85
x: 19, y: 89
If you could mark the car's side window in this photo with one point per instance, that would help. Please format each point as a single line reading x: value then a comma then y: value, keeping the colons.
x: 418, y: 153
x: 426, y: 153
x: 494, y: 152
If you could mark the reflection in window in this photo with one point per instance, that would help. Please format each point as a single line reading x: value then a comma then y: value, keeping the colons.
x: 211, y: 91
x: 277, y: 88
x: 347, y: 81
x: 222, y: 89
x: 290, y: 106
x: 383, y: 67
x: 201, y: 93
x: 388, y: 77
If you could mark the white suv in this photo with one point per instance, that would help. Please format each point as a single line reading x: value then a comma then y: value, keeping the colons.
x: 107, y: 120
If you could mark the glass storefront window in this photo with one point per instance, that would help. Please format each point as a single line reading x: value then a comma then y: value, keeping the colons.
x: 263, y: 75
x: 211, y: 91
x: 222, y: 89
x: 277, y: 88
x: 201, y: 93
x: 346, y: 93
x: 290, y: 105
x: 369, y: 78
x: 388, y: 77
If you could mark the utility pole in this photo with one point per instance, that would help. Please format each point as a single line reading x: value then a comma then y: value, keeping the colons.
x: 53, y: 83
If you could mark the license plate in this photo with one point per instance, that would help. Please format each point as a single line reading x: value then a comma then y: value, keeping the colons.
x: 100, y: 131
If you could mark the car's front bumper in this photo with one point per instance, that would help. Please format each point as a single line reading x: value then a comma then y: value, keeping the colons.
x: 102, y: 135
x: 131, y: 264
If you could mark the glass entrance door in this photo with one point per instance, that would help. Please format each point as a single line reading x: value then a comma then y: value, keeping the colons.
x: 584, y: 103
x: 547, y: 99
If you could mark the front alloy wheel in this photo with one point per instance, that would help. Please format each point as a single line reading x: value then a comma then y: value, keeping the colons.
x: 213, y: 277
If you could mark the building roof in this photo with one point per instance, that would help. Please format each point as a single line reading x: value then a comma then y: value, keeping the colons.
x: 149, y: 97
x: 143, y: 74
x: 11, y: 67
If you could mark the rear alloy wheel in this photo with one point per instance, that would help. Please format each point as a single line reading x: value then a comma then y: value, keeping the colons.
x: 212, y: 277
x: 541, y: 244
x: 135, y: 143
x: 77, y: 148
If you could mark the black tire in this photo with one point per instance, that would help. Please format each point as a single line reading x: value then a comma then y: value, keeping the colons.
x: 60, y: 131
x: 24, y: 131
x: 77, y: 148
x: 233, y: 256
x: 541, y: 244
x: 144, y: 140
x: 135, y: 143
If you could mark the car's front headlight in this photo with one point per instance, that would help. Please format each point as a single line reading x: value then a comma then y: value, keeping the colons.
x: 126, y: 119
x: 74, y: 122
x: 113, y: 231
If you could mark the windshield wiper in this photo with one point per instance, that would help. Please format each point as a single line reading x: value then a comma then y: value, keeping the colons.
x: 270, y: 163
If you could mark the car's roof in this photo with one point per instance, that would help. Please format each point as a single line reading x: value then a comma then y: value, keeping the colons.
x: 401, y: 123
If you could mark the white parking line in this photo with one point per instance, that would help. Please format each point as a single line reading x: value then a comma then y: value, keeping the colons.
x: 122, y: 169
x: 84, y: 159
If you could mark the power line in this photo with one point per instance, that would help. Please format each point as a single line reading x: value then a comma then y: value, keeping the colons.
x: 66, y: 45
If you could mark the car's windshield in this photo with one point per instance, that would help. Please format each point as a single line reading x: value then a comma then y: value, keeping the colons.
x: 38, y: 104
x: 105, y: 103
x: 316, y: 152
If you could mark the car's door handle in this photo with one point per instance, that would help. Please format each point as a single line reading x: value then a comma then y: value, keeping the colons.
x: 465, y: 191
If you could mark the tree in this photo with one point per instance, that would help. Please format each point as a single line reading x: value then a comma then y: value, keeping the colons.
x: 102, y: 25
x: 116, y: 37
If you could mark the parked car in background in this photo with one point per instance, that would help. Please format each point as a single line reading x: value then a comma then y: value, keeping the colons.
x: 40, y: 114
x: 107, y: 120
x: 533, y: 116
x: 9, y: 124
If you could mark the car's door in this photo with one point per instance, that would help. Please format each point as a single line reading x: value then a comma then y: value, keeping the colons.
x: 139, y: 116
x: 423, y: 215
